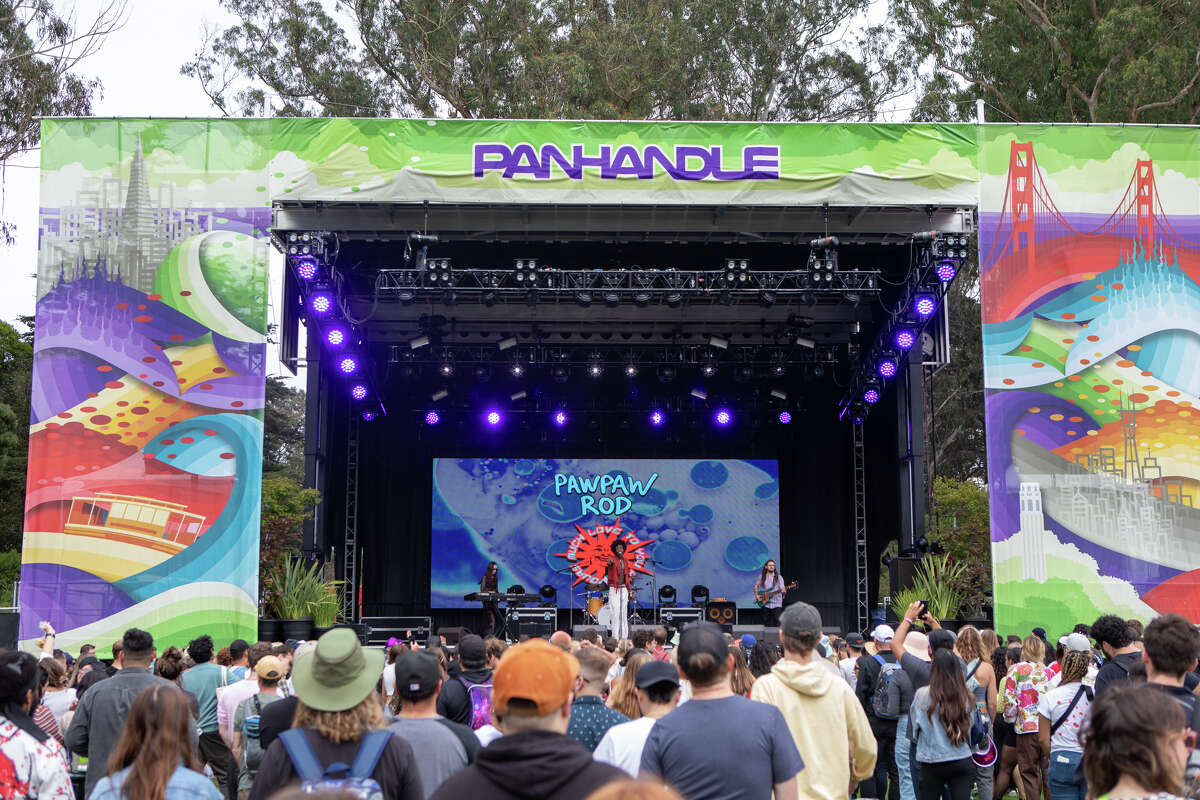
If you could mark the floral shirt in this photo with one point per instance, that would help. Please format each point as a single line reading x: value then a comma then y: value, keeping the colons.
x: 29, y: 768
x: 1023, y: 688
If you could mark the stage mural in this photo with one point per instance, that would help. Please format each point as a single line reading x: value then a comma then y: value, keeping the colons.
x: 552, y: 521
x: 1090, y: 254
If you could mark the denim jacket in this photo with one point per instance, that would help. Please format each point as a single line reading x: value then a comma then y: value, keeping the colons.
x: 184, y: 785
x: 933, y: 743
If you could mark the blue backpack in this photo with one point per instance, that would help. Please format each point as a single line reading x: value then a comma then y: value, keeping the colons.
x: 357, y: 781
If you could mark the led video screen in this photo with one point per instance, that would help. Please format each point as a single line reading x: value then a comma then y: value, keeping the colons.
x: 551, y: 522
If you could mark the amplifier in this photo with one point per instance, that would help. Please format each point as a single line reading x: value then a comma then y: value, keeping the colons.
x: 532, y: 622
x: 678, y: 617
x: 722, y: 612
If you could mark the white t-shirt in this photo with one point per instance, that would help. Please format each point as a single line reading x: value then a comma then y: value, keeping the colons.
x: 487, y: 734
x: 1053, y: 704
x: 846, y: 665
x: 389, y: 681
x: 1089, y: 680
x: 59, y: 704
x: 622, y: 744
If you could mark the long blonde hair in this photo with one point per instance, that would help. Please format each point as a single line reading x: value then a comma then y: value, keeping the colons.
x: 623, y: 696
x: 741, y: 679
x: 342, y: 726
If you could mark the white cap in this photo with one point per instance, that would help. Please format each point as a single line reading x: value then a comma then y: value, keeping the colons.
x: 1077, y: 642
x: 883, y: 633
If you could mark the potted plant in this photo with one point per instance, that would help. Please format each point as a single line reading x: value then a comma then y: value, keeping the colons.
x: 297, y: 589
x: 936, y: 582
x: 326, y: 609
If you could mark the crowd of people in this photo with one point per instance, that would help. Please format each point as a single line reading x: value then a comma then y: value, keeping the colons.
x: 912, y: 713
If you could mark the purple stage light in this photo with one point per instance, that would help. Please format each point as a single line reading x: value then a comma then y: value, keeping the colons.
x: 946, y: 271
x: 560, y: 418
x: 904, y: 339
x: 432, y: 418
x: 335, y: 337
x: 871, y: 396
x: 493, y: 418
x: 925, y: 305
x: 723, y: 417
x: 657, y: 418
x: 785, y: 417
x: 347, y: 365
x: 306, y: 268
x: 320, y: 302
x: 359, y: 392
x: 886, y: 367
x: 368, y: 415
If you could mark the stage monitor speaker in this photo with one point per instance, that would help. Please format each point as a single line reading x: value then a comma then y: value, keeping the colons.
x: 532, y: 622
x: 9, y: 622
x: 453, y: 634
x: 722, y: 612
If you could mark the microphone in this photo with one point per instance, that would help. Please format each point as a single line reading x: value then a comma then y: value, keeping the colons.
x: 828, y: 241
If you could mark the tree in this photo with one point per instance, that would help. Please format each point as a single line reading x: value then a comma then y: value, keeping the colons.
x: 283, y: 430
x: 1058, y: 60
x: 957, y: 443
x: 627, y: 59
x: 958, y: 523
x: 285, y: 507
x: 16, y: 374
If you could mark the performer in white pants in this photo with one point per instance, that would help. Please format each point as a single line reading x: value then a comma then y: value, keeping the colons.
x: 618, y: 591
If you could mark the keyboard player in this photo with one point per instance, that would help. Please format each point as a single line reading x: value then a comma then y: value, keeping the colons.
x: 490, y: 582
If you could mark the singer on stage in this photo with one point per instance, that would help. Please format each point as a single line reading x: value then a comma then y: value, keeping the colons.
x: 490, y: 582
x: 618, y: 590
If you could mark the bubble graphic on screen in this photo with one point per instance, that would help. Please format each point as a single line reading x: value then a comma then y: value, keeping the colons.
x: 765, y: 491
x: 710, y: 474
x: 559, y: 508
x: 651, y: 504
x: 553, y: 560
x: 672, y: 556
x: 746, y: 553
x: 700, y: 514
x: 524, y: 466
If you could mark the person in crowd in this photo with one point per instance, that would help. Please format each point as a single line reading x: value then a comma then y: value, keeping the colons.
x: 100, y: 714
x: 154, y: 758
x: 38, y: 763
x: 590, y: 717
x: 84, y: 667
x: 495, y: 649
x: 441, y: 747
x: 1004, y: 733
x: 855, y: 649
x: 659, y: 651
x: 170, y: 666
x: 455, y: 701
x: 591, y: 638
x: 1062, y: 716
x: 941, y: 715
x: 756, y: 755
x: 741, y: 680
x: 203, y: 680
x: 885, y: 781
x: 624, y: 648
x: 1018, y: 701
x: 247, y: 744
x: 240, y: 690
x: 657, y: 686
x: 561, y: 640
x: 1171, y: 645
x: 1012, y: 640
x: 531, y: 706
x: 821, y: 710
x: 389, y: 671
x: 899, y: 699
x: 339, y: 714
x: 623, y: 696
x: 43, y: 717
x: 58, y: 696
x: 1116, y: 641
x: 278, y: 716
x: 641, y: 639
x: 990, y: 640
x: 86, y: 650
x: 981, y: 683
x: 239, y: 661
x: 634, y: 790
x: 101, y: 672
x: 762, y: 657
x: 1136, y: 745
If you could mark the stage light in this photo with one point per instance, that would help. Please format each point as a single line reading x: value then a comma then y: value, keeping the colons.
x: 507, y: 343
x: 666, y: 374
x: 526, y: 271
x: 518, y: 395
x: 886, y: 367
x: 560, y: 418
x: 493, y: 418
x: 674, y: 299
x: 641, y: 299
x: 516, y: 369
x: 440, y: 394
x: 490, y: 297
x: 806, y: 343
x: 368, y: 415
x: 904, y: 338
x: 725, y: 298
x: 743, y: 373
x: 718, y: 342
x: 446, y: 369
x: 946, y: 270
x: 560, y: 374
x: 631, y: 368
x: 348, y: 365
x: 871, y: 396
x: 779, y: 394
x: 723, y: 417
x: 657, y: 418
x: 306, y: 268
x: 767, y: 299
x: 482, y: 373
x: 320, y: 303
x: 612, y: 299
x: 438, y: 271
x: 924, y: 305
x: 359, y: 392
x: 708, y: 367
x: 699, y: 393
x: 432, y: 418
x: 583, y: 298
x: 335, y: 337
x: 595, y: 367
x: 785, y: 417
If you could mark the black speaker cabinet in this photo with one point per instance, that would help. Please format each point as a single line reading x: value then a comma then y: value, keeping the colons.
x: 722, y: 612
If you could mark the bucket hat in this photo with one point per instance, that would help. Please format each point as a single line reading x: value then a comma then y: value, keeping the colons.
x: 338, y: 674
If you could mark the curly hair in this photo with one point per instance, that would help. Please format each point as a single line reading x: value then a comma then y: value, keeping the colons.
x: 1126, y: 735
x: 169, y: 664
x: 342, y: 726
x: 1172, y: 644
x: 762, y: 657
x: 1113, y: 631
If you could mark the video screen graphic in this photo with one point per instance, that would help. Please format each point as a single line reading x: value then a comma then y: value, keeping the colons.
x: 549, y: 522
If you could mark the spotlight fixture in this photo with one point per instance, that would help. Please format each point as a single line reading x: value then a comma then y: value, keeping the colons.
x: 368, y: 415
x: 612, y: 299
x: 737, y: 270
x: 560, y: 374
x: 437, y: 272
x: 886, y: 367
x: 320, y: 302
x: 743, y: 373
x: 674, y: 299
x: 718, y: 342
x: 306, y: 268
x: 584, y: 299
x: 631, y: 368
x: 446, y: 369
x: 785, y: 417
x: 723, y: 417
x: 359, y: 392
x: 482, y: 373
x: 806, y: 343
x: 779, y: 394
x: 348, y: 365
x: 946, y: 270
x: 518, y: 396
x: 559, y: 418
x: 595, y: 366
x: 516, y: 369
x: 490, y: 297
x: 657, y: 418
x: 440, y: 394
x: 525, y: 272
x: 767, y: 299
x: 871, y: 396
x: 418, y: 343
x: 507, y: 343
x: 666, y: 374
x: 924, y: 305
x: 708, y: 365
x: 699, y: 393
x: 335, y: 337
x: 432, y: 417
x: 493, y: 418
x: 641, y: 299
x: 904, y: 338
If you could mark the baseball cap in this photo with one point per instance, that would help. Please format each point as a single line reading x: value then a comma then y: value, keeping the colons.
x: 800, y: 618
x: 653, y: 672
x: 855, y: 640
x: 1039, y: 632
x: 471, y: 648
x: 883, y: 633
x: 417, y: 673
x: 702, y: 637
x: 748, y: 640
x: 535, y: 671
x: 1077, y: 642
x: 269, y: 667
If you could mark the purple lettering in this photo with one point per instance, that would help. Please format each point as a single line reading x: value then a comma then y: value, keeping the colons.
x: 626, y: 161
x: 490, y: 158
x: 684, y: 153
x: 687, y: 163
x: 761, y: 162
x: 719, y: 171
x: 525, y: 162
x: 552, y: 156
x: 581, y: 161
x: 655, y: 156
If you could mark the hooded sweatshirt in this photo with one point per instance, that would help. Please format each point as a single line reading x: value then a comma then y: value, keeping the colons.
x: 827, y: 722
x: 533, y: 764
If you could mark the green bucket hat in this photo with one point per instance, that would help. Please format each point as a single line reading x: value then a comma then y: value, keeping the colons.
x: 338, y: 674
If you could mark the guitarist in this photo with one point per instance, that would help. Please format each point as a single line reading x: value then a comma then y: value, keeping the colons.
x: 770, y: 582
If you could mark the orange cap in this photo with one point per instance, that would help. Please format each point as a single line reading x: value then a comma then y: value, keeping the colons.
x: 535, y: 671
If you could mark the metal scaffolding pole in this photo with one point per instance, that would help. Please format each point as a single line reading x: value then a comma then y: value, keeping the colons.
x: 350, y: 541
x: 861, y: 574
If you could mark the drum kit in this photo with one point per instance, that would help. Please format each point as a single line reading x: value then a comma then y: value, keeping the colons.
x: 597, y: 611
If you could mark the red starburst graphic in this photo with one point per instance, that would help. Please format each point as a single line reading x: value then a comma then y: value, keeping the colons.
x: 590, y: 550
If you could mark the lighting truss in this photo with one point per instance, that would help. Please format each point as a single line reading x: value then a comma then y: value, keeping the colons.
x: 761, y: 358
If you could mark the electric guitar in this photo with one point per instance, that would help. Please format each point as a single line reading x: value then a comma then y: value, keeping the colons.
x: 762, y: 598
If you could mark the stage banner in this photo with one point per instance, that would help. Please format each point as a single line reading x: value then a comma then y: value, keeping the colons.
x: 149, y: 359
x: 1090, y: 254
x: 552, y: 522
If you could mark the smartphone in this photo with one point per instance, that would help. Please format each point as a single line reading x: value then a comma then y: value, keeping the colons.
x: 924, y: 607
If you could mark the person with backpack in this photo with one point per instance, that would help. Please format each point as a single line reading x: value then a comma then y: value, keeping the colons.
x: 441, y: 747
x: 1116, y: 642
x: 874, y: 675
x: 466, y: 698
x: 942, y: 714
x: 338, y: 742
x: 590, y: 717
x: 247, y: 747
x: 820, y: 709
x: 1062, y: 716
x: 202, y: 681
